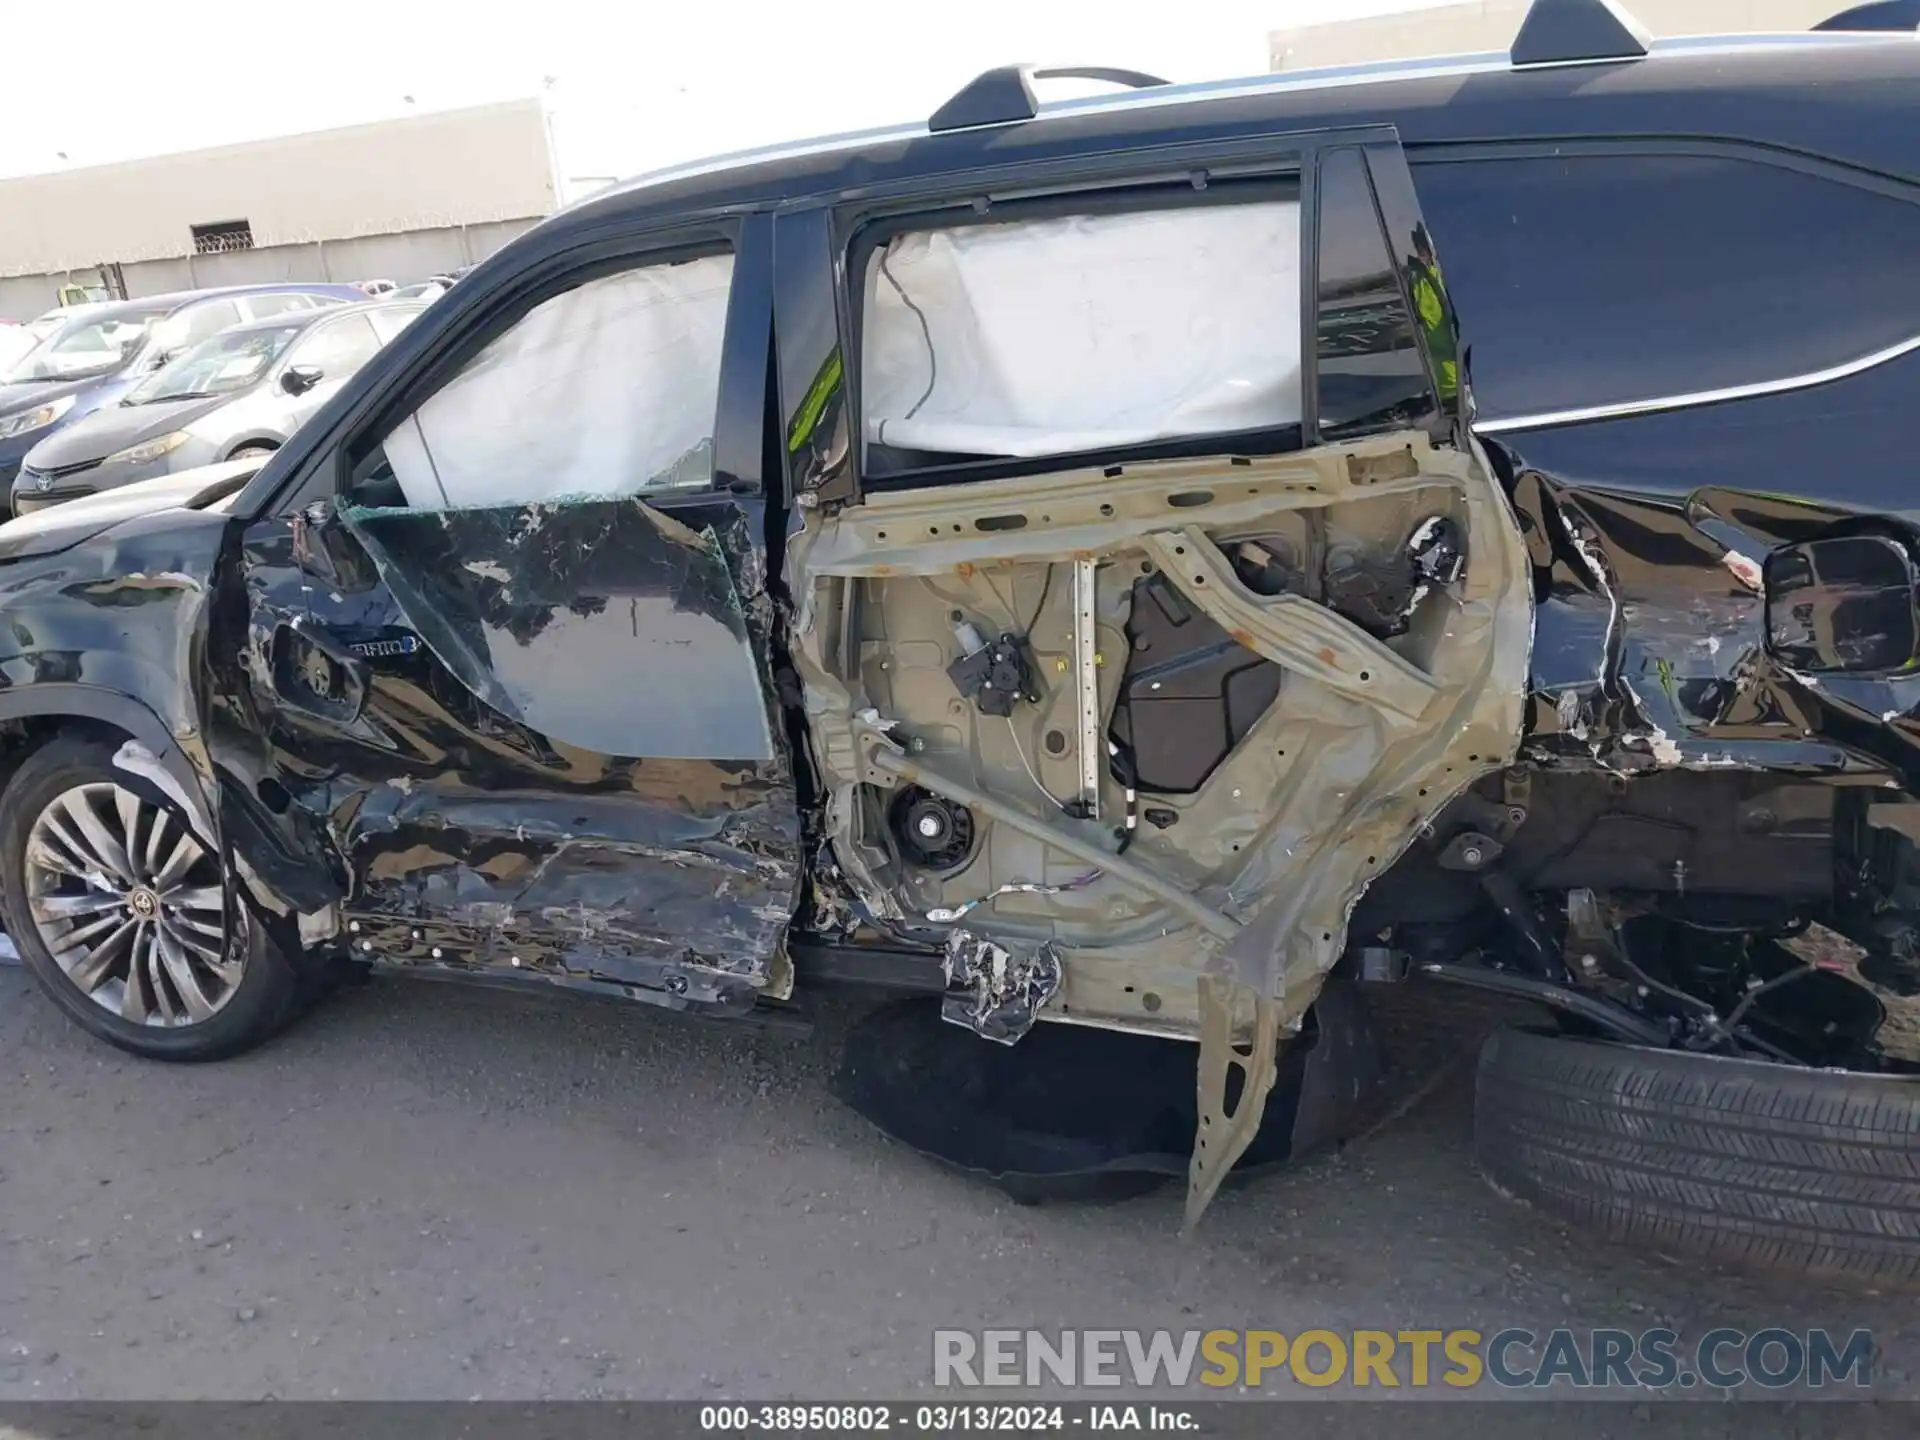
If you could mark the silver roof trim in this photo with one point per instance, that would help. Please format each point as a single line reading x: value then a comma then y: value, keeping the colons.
x: 1549, y: 419
x: 1279, y: 83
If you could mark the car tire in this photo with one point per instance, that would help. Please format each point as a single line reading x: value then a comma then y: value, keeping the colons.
x: 1770, y: 1167
x: 249, y: 452
x: 243, y: 993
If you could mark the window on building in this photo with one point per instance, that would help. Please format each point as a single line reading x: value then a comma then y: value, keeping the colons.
x: 222, y: 235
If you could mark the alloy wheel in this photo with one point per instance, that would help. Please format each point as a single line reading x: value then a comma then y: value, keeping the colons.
x: 131, y: 906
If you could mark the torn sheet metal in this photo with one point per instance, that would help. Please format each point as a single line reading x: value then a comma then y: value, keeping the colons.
x: 538, y: 609
x: 645, y: 842
x: 1650, y: 637
x: 997, y: 990
x: 1247, y: 879
x: 683, y: 906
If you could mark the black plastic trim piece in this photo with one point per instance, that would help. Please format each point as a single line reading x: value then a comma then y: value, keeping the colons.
x: 1560, y: 32
x: 1004, y: 95
x: 74, y: 700
x: 53, y: 700
x: 871, y: 967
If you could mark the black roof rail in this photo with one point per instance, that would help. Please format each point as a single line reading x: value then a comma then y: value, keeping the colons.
x: 1004, y: 94
x: 1880, y: 15
x: 1557, y: 32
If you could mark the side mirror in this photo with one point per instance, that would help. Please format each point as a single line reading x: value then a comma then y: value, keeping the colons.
x: 1845, y: 604
x: 298, y: 379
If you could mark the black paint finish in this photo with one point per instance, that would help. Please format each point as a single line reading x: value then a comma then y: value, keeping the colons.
x: 467, y: 728
x: 514, y: 794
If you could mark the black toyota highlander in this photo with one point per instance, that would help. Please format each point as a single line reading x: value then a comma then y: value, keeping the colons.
x: 1162, y: 565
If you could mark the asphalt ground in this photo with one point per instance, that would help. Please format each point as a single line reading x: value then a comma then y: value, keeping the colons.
x: 429, y: 1192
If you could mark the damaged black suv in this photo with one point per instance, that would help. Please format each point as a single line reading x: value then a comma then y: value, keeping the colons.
x: 1126, y: 562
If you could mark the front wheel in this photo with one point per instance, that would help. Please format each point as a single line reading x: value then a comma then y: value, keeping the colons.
x: 124, y: 916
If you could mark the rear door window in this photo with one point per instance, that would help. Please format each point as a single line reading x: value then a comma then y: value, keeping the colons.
x: 1081, y: 332
x: 389, y: 323
x: 337, y: 348
x: 184, y: 329
x: 262, y: 306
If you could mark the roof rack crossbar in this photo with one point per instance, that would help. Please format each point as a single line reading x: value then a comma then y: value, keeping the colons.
x: 1004, y: 95
x: 1562, y: 32
x: 1879, y: 15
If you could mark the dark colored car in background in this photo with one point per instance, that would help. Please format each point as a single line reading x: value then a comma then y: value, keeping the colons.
x: 242, y: 392
x: 1146, y: 564
x: 97, y: 356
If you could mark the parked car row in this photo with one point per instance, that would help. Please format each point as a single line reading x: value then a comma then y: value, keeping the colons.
x: 16, y: 339
x: 127, y: 390
x: 430, y: 288
x: 242, y: 392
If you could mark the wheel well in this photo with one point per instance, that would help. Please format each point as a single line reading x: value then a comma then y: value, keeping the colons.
x: 253, y: 442
x: 20, y: 738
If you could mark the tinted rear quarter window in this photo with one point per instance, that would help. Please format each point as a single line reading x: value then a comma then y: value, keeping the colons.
x: 1590, y: 279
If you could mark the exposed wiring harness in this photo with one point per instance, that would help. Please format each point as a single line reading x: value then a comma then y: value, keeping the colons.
x: 1014, y: 730
x: 933, y: 363
x: 945, y: 914
x: 1123, y: 768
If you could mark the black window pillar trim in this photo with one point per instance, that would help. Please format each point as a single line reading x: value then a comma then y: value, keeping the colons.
x: 813, y: 391
x: 739, y: 440
x: 1397, y: 208
x: 1310, y: 293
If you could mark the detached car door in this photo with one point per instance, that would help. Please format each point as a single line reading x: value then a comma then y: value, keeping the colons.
x: 505, y: 654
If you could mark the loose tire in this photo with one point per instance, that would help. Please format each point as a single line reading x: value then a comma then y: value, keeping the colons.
x: 122, y: 915
x: 1805, y: 1172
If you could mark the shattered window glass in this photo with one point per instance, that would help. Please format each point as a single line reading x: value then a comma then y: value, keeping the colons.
x: 607, y: 389
x: 1085, y: 332
x: 597, y: 623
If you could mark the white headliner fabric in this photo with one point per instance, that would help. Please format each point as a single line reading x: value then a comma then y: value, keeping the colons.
x: 1084, y: 332
x: 598, y: 391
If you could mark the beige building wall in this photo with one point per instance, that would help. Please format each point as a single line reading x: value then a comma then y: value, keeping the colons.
x: 1489, y: 25
x: 428, y: 172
